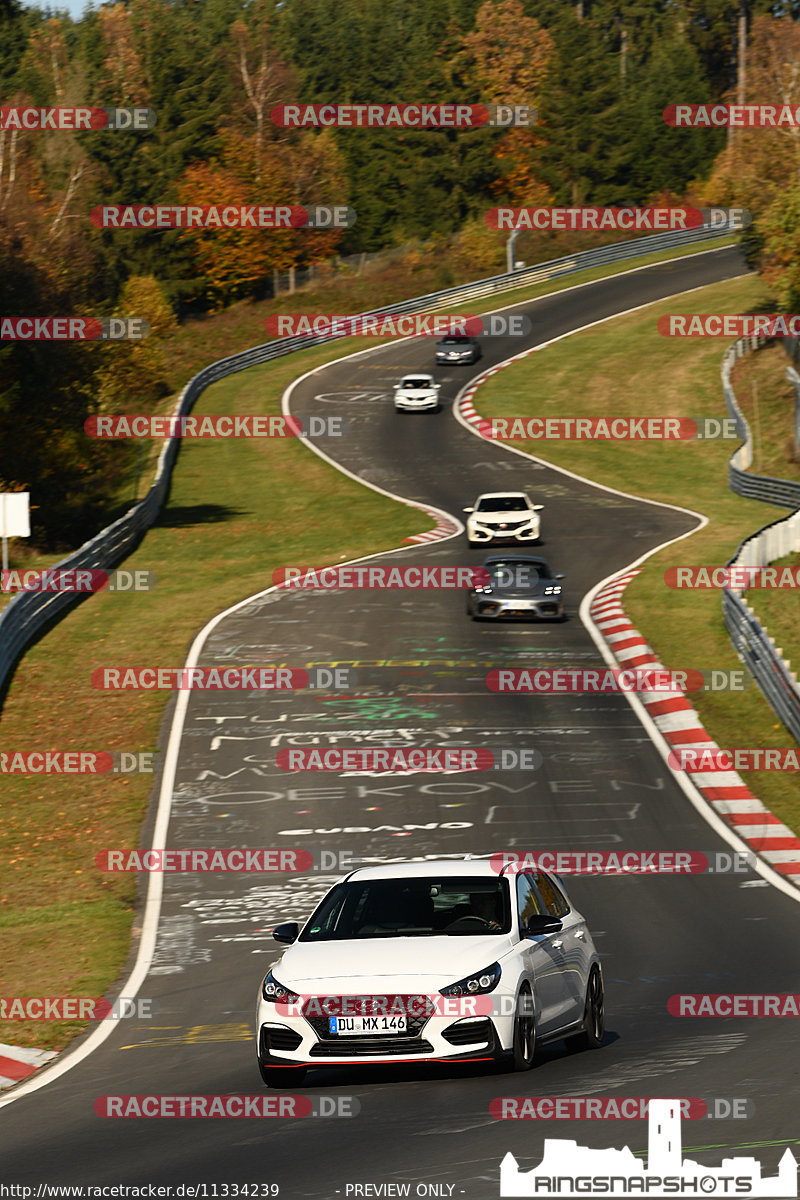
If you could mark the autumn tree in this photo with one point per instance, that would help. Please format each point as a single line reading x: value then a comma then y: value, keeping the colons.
x: 260, y: 164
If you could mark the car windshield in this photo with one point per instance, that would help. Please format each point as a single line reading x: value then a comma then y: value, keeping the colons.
x: 419, y: 907
x: 416, y: 381
x: 501, y: 504
x: 516, y: 572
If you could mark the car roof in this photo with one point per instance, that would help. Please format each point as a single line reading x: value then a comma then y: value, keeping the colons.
x: 495, y: 495
x: 479, y: 867
x: 523, y: 558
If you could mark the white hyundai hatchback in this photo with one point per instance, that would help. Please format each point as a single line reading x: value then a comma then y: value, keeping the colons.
x: 417, y: 393
x: 440, y: 961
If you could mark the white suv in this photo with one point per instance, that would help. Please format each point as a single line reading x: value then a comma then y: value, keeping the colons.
x: 416, y: 393
x: 430, y: 961
x: 503, y: 517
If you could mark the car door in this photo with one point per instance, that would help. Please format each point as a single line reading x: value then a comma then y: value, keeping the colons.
x: 574, y: 945
x: 545, y: 958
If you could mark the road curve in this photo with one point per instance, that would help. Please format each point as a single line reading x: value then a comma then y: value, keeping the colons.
x: 421, y: 665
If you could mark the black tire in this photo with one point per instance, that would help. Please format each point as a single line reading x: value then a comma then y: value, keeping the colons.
x: 281, y: 1077
x: 591, y: 1036
x: 524, y: 1049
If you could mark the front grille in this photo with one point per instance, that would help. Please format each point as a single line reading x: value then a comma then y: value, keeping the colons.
x: 278, y: 1039
x: 465, y: 1033
x: 360, y: 1047
x: 320, y: 1022
x: 510, y: 526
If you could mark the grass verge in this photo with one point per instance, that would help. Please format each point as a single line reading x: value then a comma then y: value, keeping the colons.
x: 64, y: 926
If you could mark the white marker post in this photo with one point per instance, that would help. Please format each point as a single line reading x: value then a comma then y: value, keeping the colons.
x: 14, y: 519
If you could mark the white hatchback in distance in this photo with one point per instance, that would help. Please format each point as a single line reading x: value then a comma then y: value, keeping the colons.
x: 416, y: 393
x: 503, y: 517
x: 440, y: 961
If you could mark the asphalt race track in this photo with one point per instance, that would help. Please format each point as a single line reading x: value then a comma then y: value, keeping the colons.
x: 420, y: 665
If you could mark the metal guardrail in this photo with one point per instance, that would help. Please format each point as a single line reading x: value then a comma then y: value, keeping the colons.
x: 782, y: 492
x: 757, y: 650
x: 28, y: 613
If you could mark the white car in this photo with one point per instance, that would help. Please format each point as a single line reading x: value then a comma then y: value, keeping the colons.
x: 447, y: 960
x: 417, y: 393
x: 503, y: 517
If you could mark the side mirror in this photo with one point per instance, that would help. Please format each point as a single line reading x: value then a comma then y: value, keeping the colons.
x: 542, y: 923
x: 538, y: 507
x: 286, y: 933
x: 558, y: 577
x: 468, y: 510
x: 437, y: 386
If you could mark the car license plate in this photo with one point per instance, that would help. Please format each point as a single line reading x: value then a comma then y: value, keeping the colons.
x: 367, y: 1025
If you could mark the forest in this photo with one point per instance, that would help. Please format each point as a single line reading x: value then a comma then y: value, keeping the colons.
x: 598, y: 73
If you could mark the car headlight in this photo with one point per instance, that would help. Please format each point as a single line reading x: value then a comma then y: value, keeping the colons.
x: 272, y: 990
x: 475, y: 985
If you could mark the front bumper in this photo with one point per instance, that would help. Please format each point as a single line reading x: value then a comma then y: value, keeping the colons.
x: 545, y: 608
x: 427, y: 405
x: 495, y: 537
x: 297, y: 1041
x: 469, y: 1038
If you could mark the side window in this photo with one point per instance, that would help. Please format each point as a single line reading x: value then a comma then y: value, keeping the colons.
x: 528, y: 902
x: 554, y: 901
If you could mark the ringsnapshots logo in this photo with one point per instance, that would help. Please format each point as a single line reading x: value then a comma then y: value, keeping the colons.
x: 438, y: 325
x: 262, y: 1106
x: 403, y: 116
x: 222, y: 216
x: 73, y: 329
x: 220, y: 425
x: 567, y: 1169
x: 77, y: 119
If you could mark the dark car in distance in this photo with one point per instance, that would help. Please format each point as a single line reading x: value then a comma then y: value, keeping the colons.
x: 457, y: 348
x: 516, y: 587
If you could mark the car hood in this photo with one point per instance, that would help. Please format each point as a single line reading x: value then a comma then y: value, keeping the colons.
x: 373, y: 964
x: 415, y: 392
x: 529, y: 592
x: 496, y: 518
